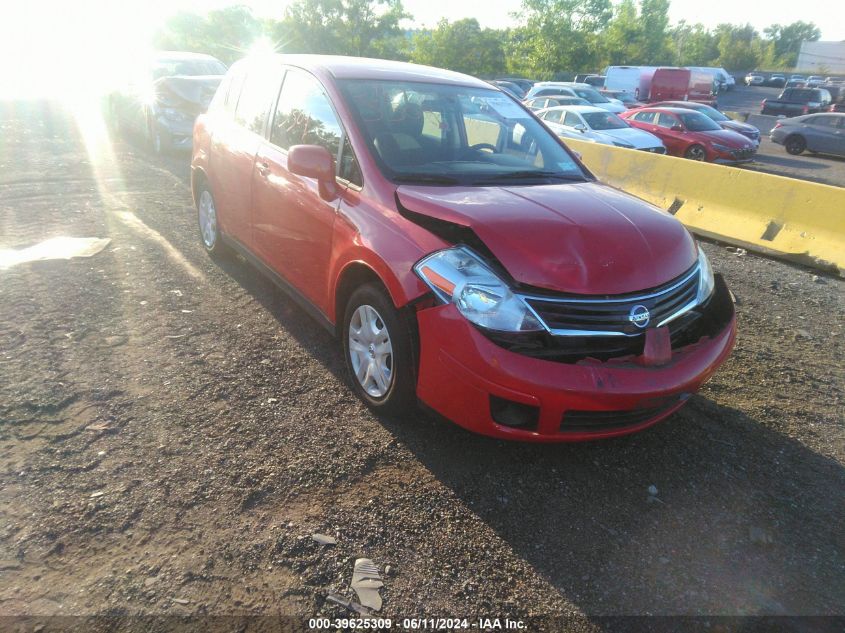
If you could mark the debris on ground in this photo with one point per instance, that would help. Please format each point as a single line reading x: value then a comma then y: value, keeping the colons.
x: 54, y: 248
x: 366, y: 582
x: 324, y: 539
x: 347, y: 604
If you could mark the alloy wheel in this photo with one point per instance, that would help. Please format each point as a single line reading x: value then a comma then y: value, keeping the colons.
x: 370, y: 351
x: 207, y: 219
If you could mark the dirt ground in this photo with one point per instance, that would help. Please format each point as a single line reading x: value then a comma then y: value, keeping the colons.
x: 173, y: 430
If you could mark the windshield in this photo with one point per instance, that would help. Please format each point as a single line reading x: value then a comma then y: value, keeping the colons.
x: 603, y: 120
x: 696, y: 122
x: 713, y: 113
x: 440, y: 134
x: 593, y: 96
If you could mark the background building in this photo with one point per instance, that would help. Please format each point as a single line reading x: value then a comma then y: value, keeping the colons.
x: 823, y: 58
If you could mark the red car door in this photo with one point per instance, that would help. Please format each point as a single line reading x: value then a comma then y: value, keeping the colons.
x: 293, y: 225
x: 234, y: 145
x: 675, y: 140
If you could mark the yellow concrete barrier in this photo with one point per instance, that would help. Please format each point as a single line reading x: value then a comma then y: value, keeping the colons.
x: 794, y: 219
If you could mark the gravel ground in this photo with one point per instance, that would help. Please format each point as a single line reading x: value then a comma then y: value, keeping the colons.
x: 172, y: 431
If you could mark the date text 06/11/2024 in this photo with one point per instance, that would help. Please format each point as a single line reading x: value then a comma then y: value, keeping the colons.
x: 417, y: 624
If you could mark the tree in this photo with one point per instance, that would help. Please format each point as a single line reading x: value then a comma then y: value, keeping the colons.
x: 693, y: 45
x: 225, y: 33
x: 559, y: 35
x: 654, y: 18
x: 462, y: 46
x: 739, y: 47
x: 365, y: 28
x: 787, y: 40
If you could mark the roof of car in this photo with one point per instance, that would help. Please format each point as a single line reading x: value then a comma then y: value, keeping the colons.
x: 579, y: 108
x: 664, y: 109
x: 341, y: 67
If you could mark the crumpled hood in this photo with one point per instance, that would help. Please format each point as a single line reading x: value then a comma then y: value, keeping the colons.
x: 194, y: 92
x: 584, y: 238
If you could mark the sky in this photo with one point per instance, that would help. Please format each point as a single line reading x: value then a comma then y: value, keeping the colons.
x: 56, y: 43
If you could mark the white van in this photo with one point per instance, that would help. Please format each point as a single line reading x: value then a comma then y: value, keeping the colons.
x: 635, y: 80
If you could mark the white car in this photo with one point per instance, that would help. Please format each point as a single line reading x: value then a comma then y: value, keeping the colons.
x: 754, y: 79
x: 585, y: 91
x: 600, y: 126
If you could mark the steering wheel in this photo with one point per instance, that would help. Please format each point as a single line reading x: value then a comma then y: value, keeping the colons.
x: 480, y: 146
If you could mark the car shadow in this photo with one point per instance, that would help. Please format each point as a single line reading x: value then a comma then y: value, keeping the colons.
x: 785, y: 161
x: 744, y: 520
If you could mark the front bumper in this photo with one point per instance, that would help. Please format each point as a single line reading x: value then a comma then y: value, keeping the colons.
x: 466, y: 377
x: 177, y: 135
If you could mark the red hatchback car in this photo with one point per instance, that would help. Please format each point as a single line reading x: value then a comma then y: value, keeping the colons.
x: 692, y: 135
x: 462, y: 254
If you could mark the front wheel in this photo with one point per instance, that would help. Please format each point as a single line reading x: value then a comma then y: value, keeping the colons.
x: 696, y: 152
x: 377, y: 348
x: 795, y: 145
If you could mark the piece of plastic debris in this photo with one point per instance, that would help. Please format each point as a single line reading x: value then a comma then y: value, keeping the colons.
x: 366, y: 582
x: 54, y: 248
x: 94, y: 495
x: 348, y: 604
x: 180, y: 600
x: 652, y: 490
x: 324, y: 539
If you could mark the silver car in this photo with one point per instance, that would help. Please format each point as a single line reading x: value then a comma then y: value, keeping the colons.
x: 823, y: 133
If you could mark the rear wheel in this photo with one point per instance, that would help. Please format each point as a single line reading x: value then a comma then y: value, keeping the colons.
x: 209, y: 226
x: 795, y: 145
x: 377, y: 348
x: 696, y: 152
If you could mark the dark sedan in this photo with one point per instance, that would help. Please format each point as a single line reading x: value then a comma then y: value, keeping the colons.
x: 726, y: 123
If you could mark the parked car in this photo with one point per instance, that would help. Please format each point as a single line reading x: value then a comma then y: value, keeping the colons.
x: 749, y: 131
x: 814, y: 81
x: 797, y: 78
x: 797, y: 101
x: 596, y: 81
x: 550, y: 88
x: 523, y: 83
x: 511, y: 88
x: 489, y: 278
x: 601, y: 126
x: 796, y: 83
x: 540, y: 103
x: 162, y: 103
x: 820, y: 133
x: 776, y: 81
x: 692, y: 135
x: 754, y: 79
x: 627, y: 99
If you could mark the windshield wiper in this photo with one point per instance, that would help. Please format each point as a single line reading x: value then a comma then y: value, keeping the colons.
x: 428, y: 179
x: 530, y: 173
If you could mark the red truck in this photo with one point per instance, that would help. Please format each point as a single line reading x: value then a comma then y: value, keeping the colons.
x: 702, y: 88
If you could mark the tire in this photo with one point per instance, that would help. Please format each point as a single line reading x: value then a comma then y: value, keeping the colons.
x: 378, y: 351
x: 208, y: 222
x: 696, y: 152
x: 795, y: 144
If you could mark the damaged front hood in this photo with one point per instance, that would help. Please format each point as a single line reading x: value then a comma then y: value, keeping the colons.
x: 584, y: 238
x: 190, y: 92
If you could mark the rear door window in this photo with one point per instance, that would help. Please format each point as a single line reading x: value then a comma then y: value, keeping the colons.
x: 571, y: 119
x: 645, y: 117
x: 257, y: 96
x: 666, y: 120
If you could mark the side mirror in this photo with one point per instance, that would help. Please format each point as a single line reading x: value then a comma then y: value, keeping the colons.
x: 677, y: 128
x: 581, y: 127
x: 314, y: 161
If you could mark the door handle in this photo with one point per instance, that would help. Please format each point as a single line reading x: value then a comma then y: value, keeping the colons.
x: 263, y: 168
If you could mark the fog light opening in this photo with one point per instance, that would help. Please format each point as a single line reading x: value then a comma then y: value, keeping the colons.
x: 514, y: 414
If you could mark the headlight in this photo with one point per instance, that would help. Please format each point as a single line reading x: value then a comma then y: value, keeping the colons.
x: 705, y: 279
x: 721, y: 148
x: 173, y: 114
x: 621, y: 144
x: 457, y: 275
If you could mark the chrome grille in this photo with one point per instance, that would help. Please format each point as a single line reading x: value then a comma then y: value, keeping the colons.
x: 609, y: 316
